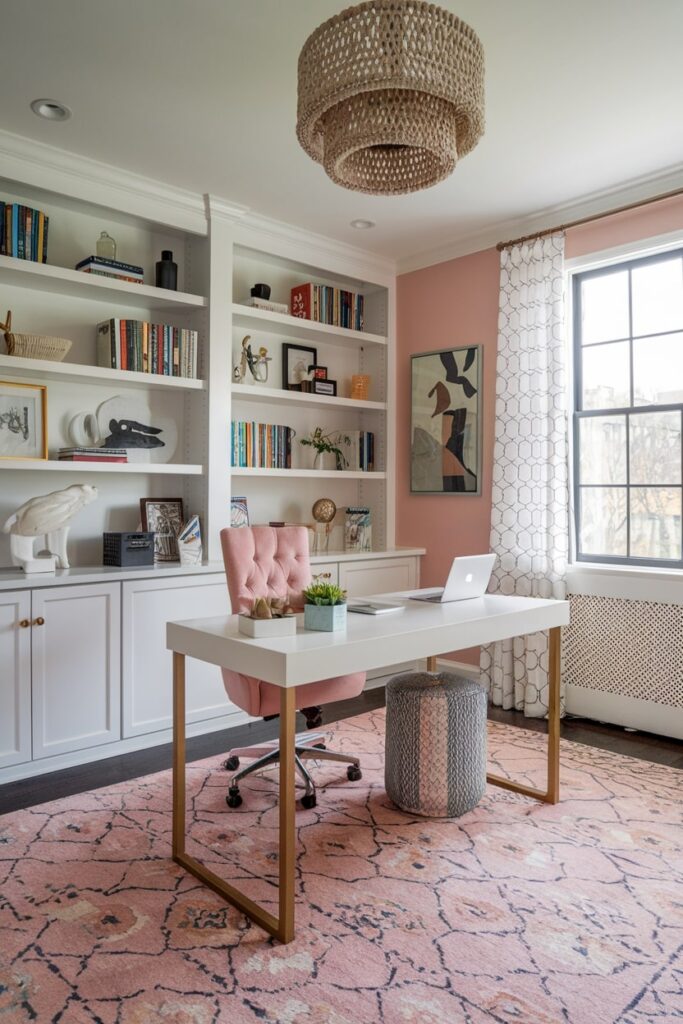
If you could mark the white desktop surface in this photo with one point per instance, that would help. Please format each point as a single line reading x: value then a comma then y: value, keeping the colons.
x: 369, y: 641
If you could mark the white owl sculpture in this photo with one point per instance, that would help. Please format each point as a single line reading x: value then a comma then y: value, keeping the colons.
x: 47, y: 516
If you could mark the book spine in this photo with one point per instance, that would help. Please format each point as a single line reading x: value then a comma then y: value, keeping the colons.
x: 301, y: 301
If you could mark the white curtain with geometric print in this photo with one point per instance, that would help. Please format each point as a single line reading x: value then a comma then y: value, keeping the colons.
x: 530, y: 514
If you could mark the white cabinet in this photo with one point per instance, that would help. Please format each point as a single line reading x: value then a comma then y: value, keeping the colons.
x: 15, y: 677
x: 378, y: 576
x: 147, y: 691
x: 76, y: 667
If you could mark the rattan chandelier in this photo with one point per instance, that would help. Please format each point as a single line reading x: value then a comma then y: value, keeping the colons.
x: 391, y: 95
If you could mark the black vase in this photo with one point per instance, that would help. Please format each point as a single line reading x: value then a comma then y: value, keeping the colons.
x: 261, y: 291
x: 167, y: 271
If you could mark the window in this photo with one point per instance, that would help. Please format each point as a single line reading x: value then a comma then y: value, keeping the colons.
x: 628, y: 412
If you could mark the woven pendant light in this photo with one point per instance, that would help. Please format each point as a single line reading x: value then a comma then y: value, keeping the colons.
x: 391, y: 94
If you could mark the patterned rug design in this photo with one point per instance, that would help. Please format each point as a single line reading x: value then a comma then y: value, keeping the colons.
x: 516, y: 912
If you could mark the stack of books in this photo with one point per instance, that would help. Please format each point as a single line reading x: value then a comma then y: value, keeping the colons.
x: 261, y: 445
x: 111, y: 268
x: 328, y: 305
x: 272, y: 307
x: 23, y: 232
x: 92, y: 455
x: 147, y: 348
x: 361, y: 454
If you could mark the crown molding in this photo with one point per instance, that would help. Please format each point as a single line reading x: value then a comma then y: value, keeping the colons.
x: 590, y: 205
x: 81, y: 178
x: 309, y: 247
x: 222, y: 208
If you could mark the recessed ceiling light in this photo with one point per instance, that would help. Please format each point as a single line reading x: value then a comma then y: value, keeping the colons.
x: 362, y: 225
x: 51, y: 110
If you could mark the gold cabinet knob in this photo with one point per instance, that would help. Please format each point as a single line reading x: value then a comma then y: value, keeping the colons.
x: 25, y: 623
x: 40, y: 621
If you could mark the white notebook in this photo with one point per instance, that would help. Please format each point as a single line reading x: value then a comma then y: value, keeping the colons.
x: 375, y: 607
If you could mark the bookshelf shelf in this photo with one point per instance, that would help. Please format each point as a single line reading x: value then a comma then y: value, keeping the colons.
x: 306, y: 330
x: 80, y: 373
x: 60, y: 280
x: 309, y: 474
x: 254, y: 393
x: 144, y: 468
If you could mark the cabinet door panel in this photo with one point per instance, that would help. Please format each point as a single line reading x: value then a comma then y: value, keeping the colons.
x: 147, y: 668
x: 76, y: 667
x: 378, y: 576
x: 15, y: 678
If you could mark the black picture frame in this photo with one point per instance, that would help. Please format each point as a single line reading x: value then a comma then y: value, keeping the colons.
x: 321, y: 387
x: 291, y: 355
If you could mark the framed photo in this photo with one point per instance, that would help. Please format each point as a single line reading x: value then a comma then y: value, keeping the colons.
x: 239, y: 511
x: 446, y: 416
x: 23, y: 420
x: 319, y: 372
x: 165, y: 517
x: 296, y: 360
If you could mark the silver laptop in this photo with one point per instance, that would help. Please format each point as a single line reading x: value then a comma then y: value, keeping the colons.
x: 469, y: 577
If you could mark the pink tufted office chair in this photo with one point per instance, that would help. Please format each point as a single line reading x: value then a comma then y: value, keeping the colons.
x: 263, y: 561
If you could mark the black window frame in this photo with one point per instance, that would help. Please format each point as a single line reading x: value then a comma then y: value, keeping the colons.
x: 579, y: 413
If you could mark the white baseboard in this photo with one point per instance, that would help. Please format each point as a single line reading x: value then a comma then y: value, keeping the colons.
x: 632, y: 712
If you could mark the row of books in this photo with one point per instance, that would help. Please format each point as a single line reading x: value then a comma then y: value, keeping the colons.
x: 361, y: 453
x: 23, y: 232
x: 328, y: 305
x: 92, y: 455
x: 261, y: 445
x: 112, y: 268
x: 147, y: 348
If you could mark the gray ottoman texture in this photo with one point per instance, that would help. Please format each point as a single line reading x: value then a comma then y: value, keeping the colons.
x: 435, y: 743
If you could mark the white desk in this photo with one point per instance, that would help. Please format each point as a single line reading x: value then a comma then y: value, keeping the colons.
x: 422, y: 630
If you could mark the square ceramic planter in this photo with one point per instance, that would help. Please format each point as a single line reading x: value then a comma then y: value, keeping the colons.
x: 326, y: 618
x: 261, y: 628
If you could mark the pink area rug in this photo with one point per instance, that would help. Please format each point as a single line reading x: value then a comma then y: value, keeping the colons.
x: 516, y: 912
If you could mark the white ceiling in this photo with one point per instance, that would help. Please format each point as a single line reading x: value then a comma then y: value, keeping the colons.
x: 581, y: 97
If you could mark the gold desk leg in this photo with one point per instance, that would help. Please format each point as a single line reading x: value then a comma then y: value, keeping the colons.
x: 287, y: 815
x: 282, y: 929
x: 551, y: 795
x: 431, y: 663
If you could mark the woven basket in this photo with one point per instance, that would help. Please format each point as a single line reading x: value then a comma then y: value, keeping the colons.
x: 34, y: 346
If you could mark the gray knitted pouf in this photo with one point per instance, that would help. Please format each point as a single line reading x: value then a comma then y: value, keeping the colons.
x: 435, y: 743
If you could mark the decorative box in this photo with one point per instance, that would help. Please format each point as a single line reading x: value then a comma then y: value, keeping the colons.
x: 325, y: 618
x: 128, y: 549
x: 262, y: 628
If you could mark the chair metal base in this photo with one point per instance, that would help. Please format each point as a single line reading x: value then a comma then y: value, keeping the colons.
x: 304, y: 750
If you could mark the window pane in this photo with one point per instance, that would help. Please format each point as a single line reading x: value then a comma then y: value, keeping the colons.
x: 606, y: 376
x: 602, y: 447
x: 603, y: 521
x: 604, y: 308
x: 655, y: 448
x: 658, y: 297
x: 656, y: 522
x: 658, y: 370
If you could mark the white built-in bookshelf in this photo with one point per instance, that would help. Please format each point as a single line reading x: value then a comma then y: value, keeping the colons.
x: 220, y: 253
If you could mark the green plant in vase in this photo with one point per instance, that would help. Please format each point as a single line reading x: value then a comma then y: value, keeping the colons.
x: 327, y: 443
x: 325, y: 607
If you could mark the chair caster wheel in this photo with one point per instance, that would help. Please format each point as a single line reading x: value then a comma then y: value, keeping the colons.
x: 319, y: 746
x: 308, y: 801
x: 232, y: 764
x: 353, y: 773
x: 233, y: 799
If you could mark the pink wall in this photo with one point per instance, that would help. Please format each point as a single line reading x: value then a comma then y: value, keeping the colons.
x: 456, y: 303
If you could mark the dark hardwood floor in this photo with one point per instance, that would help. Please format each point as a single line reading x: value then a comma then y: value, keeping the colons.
x: 28, y: 792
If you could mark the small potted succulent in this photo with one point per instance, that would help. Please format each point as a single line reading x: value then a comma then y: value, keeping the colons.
x: 327, y: 447
x: 269, y: 616
x: 325, y: 607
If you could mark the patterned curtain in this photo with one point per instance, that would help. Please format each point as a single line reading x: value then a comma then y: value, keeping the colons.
x: 529, y: 522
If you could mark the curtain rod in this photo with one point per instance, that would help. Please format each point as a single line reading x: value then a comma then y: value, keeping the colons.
x: 589, y: 220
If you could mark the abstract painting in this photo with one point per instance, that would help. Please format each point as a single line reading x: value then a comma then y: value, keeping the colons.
x: 445, y: 447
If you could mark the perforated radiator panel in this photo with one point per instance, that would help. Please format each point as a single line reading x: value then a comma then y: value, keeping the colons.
x: 628, y: 648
